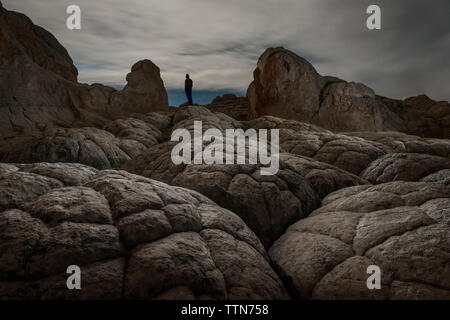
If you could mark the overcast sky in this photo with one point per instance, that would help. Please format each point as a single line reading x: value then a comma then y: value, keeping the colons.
x: 219, y: 41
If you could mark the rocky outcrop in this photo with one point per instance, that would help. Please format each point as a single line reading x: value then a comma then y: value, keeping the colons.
x: 118, y: 228
x: 32, y: 90
x: 143, y: 93
x: 287, y: 86
x: 39, y: 85
x: 279, y: 77
x: 402, y: 227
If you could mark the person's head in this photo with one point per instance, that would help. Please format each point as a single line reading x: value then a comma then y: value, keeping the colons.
x: 187, y: 76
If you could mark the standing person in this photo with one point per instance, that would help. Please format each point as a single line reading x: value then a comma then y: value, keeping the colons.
x: 188, y: 88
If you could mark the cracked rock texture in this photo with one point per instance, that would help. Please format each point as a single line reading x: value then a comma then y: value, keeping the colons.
x: 119, y: 228
x: 404, y: 166
x: 402, y: 227
x: 119, y: 141
x: 338, y: 204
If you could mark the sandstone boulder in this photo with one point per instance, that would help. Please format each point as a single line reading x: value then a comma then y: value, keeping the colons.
x: 287, y: 86
x: 278, y: 79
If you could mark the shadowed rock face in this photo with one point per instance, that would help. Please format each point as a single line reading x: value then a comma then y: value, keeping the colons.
x: 20, y: 38
x: 119, y: 228
x: 286, y: 85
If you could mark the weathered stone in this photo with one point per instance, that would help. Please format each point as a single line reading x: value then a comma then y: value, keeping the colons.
x: 182, y: 238
x: 302, y: 259
x: 382, y: 225
x: 404, y: 167
x: 17, y: 188
x: 73, y: 204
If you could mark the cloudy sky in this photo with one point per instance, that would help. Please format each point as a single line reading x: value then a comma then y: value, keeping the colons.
x: 218, y: 42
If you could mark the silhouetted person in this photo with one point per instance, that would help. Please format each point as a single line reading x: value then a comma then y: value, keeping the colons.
x: 188, y: 88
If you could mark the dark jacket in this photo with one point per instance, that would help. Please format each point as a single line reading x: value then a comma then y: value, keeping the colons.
x: 188, y: 84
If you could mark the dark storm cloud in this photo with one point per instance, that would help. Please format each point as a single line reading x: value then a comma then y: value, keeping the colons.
x: 218, y: 42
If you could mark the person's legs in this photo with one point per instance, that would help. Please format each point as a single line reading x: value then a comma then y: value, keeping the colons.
x: 189, y: 95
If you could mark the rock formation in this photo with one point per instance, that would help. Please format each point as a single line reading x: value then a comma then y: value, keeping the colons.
x: 286, y: 85
x: 143, y: 93
x: 111, y: 219
x: 38, y: 84
x: 340, y: 202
